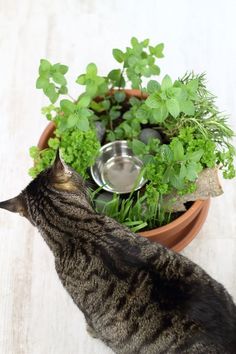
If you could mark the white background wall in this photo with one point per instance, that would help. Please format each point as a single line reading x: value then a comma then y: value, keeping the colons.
x: 36, y: 314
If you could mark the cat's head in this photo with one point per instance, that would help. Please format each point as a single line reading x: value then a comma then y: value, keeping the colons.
x: 59, y: 179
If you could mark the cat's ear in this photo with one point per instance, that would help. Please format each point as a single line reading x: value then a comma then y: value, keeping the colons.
x: 60, y: 172
x: 15, y: 205
x: 61, y: 175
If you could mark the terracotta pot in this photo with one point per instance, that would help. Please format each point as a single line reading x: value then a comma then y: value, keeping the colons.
x: 177, y: 234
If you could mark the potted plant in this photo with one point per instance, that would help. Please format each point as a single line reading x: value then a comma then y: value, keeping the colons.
x: 172, y: 127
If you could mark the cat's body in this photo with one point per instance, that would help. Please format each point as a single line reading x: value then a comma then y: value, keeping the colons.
x: 137, y: 296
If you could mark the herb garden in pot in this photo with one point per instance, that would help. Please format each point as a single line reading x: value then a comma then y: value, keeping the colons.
x: 149, y: 150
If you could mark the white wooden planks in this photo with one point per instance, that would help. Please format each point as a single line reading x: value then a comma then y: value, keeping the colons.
x: 36, y: 314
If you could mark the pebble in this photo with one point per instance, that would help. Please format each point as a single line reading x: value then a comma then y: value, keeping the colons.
x: 148, y: 133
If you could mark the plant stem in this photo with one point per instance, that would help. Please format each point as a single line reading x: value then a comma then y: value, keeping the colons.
x: 121, y: 75
x: 73, y: 99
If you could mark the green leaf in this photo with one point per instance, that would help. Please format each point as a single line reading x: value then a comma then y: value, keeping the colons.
x: 195, y: 155
x: 114, y: 114
x: 118, y: 55
x: 63, y: 90
x: 160, y: 114
x: 91, y: 89
x: 166, y: 175
x: 153, y: 86
x: 153, y: 101
x: 55, y: 67
x: 155, y: 70
x: 178, y: 93
x: 159, y: 50
x: 178, y: 151
x: 67, y: 106
x: 114, y: 75
x: 59, y: 78
x: 166, y: 83
x: 134, y: 101
x: 42, y: 83
x: 146, y: 71
x: 102, y: 89
x: 147, y: 159
x: 54, y: 143
x: 81, y: 79
x: 50, y: 91
x: 173, y: 107
x: 192, y: 172
x: 127, y: 128
x: 72, y: 120
x: 166, y: 153
x: 193, y: 85
x: 84, y: 101
x: 98, y: 107
x: 63, y: 69
x: 183, y: 171
x: 134, y: 42
x: 152, y: 50
x: 136, y: 81
x: 177, y: 182
x: 34, y: 151
x: 145, y: 42
x: 132, y: 60
x: 84, y: 112
x: 99, y: 80
x: 83, y: 124
x: 138, y: 147
x: 91, y: 69
x: 111, y: 136
x: 142, y: 115
x: 187, y: 107
x: 122, y: 82
x: 119, y: 96
x: 106, y: 104
x: 45, y: 66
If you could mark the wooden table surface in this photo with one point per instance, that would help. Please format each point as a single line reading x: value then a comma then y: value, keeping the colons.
x: 36, y: 314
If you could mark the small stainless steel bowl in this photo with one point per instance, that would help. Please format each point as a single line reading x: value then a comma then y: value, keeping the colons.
x: 117, y: 169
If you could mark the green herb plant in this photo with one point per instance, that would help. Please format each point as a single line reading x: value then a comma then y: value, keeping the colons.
x: 195, y: 134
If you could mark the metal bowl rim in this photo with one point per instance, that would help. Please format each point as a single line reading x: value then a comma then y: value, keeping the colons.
x: 103, y: 147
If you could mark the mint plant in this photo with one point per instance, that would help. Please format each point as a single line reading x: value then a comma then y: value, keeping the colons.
x: 193, y: 133
x: 52, y: 80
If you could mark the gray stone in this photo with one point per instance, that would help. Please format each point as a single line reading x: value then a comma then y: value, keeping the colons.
x: 148, y: 133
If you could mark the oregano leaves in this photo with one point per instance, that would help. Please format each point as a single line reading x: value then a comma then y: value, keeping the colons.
x: 52, y: 80
x: 139, y: 60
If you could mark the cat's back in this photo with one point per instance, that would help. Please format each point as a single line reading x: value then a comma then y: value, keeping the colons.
x: 126, y: 314
x: 130, y: 322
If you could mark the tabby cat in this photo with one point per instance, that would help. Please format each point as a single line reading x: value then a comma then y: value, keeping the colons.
x: 136, y: 296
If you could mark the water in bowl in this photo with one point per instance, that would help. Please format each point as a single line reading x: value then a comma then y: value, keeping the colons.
x: 120, y: 173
